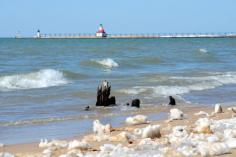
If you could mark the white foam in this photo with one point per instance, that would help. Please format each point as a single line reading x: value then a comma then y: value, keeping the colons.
x: 108, y: 62
x: 212, y: 81
x: 40, y: 79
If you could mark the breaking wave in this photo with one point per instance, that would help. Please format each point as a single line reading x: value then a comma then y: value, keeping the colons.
x: 202, y: 50
x: 188, y: 84
x: 40, y: 79
x: 106, y: 63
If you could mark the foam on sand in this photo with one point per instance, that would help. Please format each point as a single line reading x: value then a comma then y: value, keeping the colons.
x: 40, y: 79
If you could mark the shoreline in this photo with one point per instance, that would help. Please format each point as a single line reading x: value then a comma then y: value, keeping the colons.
x: 33, y: 149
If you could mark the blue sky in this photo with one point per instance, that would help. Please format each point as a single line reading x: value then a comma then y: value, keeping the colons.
x: 121, y: 16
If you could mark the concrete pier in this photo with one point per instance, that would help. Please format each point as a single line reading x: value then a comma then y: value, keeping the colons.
x: 151, y: 35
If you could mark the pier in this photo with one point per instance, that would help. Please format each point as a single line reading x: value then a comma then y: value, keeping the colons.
x: 142, y: 35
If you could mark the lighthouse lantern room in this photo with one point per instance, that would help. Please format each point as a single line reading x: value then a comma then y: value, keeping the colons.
x: 101, y: 32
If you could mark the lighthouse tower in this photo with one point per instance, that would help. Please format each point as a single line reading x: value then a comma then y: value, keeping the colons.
x: 38, y: 35
x: 101, y: 32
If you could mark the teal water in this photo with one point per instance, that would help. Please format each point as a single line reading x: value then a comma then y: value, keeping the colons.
x: 45, y: 84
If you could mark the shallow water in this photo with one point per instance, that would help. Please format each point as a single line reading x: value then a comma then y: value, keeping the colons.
x: 45, y: 84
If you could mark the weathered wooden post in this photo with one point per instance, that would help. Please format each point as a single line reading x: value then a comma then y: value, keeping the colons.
x: 103, y: 95
x: 172, y: 101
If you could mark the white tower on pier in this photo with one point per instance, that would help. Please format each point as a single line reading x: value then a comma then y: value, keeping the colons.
x: 38, y: 34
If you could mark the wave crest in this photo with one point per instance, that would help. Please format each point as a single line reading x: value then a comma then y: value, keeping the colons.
x: 108, y: 62
x: 40, y: 79
x: 188, y: 84
x: 104, y: 63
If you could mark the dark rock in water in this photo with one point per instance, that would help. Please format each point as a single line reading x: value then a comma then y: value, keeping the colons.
x: 112, y: 100
x: 172, y: 101
x: 87, y: 108
x: 103, y: 93
x: 127, y: 104
x: 135, y: 103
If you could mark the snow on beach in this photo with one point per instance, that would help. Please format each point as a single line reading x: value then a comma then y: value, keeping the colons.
x: 196, y: 134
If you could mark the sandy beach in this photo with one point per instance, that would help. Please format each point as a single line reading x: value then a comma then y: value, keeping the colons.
x: 114, y: 138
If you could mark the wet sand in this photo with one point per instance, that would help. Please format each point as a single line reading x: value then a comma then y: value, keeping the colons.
x: 32, y: 149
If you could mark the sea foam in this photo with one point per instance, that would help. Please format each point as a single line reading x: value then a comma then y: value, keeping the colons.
x: 40, y: 79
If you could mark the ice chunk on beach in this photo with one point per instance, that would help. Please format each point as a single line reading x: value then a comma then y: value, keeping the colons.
x: 203, y: 126
x: 176, y: 114
x: 123, y: 136
x: 82, y: 145
x: 102, y: 132
x: 138, y: 119
x: 6, y: 154
x: 212, y: 149
x: 218, y: 108
x: 56, y: 143
x: 231, y: 143
x: 229, y: 133
x: 201, y: 113
x: 43, y: 143
x: 151, y: 131
x: 100, y: 129
x: 178, y: 134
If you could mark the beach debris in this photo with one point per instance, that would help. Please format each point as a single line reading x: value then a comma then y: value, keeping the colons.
x: 202, y: 113
x: 203, y: 126
x: 6, y: 154
x: 218, y: 108
x: 99, y: 128
x: 151, y: 131
x: 135, y: 120
x: 82, y: 145
x: 103, y: 95
x: 172, y: 100
x: 176, y: 114
x: 135, y: 103
x: 213, y: 149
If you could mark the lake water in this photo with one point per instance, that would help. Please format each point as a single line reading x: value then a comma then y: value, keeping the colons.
x: 45, y: 84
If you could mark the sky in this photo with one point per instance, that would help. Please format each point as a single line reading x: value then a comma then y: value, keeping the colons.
x: 120, y: 16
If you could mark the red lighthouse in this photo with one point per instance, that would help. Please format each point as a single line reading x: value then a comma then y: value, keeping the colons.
x: 101, y: 32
